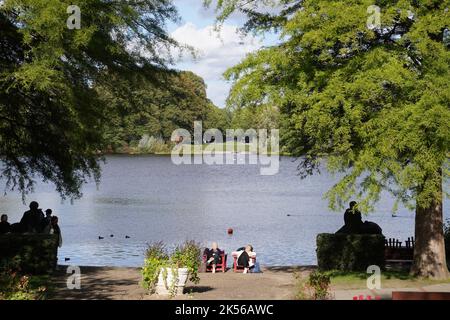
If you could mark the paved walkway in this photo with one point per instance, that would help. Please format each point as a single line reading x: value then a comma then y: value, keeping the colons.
x: 123, y: 283
x: 275, y: 283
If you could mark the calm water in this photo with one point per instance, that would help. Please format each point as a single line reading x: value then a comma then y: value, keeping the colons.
x: 150, y: 199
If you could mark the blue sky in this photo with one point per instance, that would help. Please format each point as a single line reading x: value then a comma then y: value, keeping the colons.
x: 215, y: 52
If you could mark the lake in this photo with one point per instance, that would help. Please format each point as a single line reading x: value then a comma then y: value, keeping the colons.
x: 150, y: 199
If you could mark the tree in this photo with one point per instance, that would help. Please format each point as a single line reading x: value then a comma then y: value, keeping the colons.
x: 52, y: 118
x: 371, y: 101
x: 144, y: 108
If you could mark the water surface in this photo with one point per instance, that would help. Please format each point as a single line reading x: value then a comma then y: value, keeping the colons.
x: 149, y: 199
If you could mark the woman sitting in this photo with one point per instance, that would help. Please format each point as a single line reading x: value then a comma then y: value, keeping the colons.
x: 213, y: 256
x: 245, y: 255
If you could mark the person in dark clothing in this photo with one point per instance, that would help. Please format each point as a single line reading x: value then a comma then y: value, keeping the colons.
x: 46, y: 221
x: 353, y: 218
x: 355, y: 225
x: 17, y: 228
x: 31, y: 220
x: 53, y: 228
x: 5, y: 227
x: 213, y: 256
x: 244, y: 258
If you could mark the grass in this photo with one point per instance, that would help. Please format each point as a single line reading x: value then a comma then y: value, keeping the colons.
x: 389, y: 279
x: 219, y: 148
x: 232, y: 147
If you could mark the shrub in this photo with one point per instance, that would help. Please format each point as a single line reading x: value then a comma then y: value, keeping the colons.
x: 188, y: 256
x: 349, y: 252
x: 15, y: 285
x: 314, y: 287
x: 33, y: 253
x: 152, y: 145
x: 158, y: 259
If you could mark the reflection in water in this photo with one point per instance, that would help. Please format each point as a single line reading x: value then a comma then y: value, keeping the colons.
x: 148, y: 199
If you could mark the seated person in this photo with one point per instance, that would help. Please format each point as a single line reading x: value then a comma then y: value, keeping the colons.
x: 213, y: 256
x: 244, y: 257
x: 5, y: 227
x: 353, y: 223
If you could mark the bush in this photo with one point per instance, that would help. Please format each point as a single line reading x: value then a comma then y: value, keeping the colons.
x: 158, y: 259
x: 32, y: 253
x: 15, y: 285
x: 188, y: 256
x: 349, y: 252
x: 315, y: 287
x: 152, y: 145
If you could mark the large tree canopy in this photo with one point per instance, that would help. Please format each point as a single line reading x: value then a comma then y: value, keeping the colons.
x: 52, y: 118
x: 371, y: 102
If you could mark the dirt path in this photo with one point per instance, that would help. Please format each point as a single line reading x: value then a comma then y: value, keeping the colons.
x: 106, y: 283
x: 275, y: 283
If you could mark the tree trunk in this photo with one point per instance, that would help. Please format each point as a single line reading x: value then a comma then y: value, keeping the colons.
x: 429, y: 250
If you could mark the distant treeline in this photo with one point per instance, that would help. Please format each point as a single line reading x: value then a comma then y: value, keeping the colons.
x: 146, y: 114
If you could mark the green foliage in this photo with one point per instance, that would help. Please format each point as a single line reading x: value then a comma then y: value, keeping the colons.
x: 156, y: 110
x: 258, y: 21
x: 158, y: 259
x: 52, y: 117
x: 349, y: 252
x: 15, y: 285
x: 188, y: 256
x: 256, y: 117
x: 370, y: 103
x: 152, y: 145
x: 314, y: 287
x: 31, y: 253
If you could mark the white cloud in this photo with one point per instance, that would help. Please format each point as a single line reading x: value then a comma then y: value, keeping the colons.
x: 215, y: 54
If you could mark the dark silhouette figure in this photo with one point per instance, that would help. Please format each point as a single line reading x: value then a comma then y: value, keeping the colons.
x: 355, y: 225
x: 5, y: 227
x: 31, y: 220
x: 46, y: 221
x: 353, y: 218
x: 53, y: 228
x: 17, y: 228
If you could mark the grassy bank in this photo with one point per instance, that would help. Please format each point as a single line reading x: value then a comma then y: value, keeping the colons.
x: 389, y: 279
x: 166, y: 149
